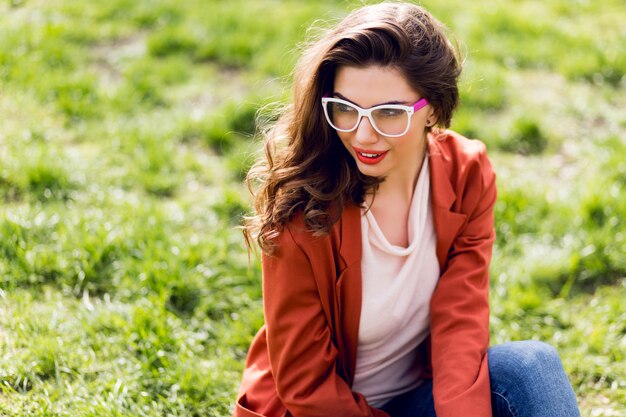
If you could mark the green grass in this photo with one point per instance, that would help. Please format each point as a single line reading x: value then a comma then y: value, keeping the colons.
x: 127, y: 127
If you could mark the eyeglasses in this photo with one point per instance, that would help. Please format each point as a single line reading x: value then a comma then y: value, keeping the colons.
x: 388, y: 119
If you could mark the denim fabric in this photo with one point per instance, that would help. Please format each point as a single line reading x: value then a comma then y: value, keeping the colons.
x: 527, y: 380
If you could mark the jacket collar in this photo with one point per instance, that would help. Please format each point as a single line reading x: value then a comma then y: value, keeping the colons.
x: 447, y: 222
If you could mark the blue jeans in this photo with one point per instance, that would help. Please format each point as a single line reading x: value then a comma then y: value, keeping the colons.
x: 527, y: 380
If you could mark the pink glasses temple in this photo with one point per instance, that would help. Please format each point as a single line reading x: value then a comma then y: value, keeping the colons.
x: 420, y: 103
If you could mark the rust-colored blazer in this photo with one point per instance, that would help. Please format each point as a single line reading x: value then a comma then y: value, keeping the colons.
x: 302, y: 361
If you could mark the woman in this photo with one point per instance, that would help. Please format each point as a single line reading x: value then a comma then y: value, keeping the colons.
x: 376, y: 225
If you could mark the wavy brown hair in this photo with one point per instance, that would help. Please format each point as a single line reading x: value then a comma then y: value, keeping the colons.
x: 306, y: 167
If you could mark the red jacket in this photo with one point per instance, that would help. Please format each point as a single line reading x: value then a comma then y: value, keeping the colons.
x: 301, y: 362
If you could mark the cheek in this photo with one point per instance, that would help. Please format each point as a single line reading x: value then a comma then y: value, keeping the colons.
x: 418, y: 126
x: 345, y: 139
x: 419, y: 121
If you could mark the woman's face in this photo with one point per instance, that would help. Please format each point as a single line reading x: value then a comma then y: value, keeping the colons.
x: 398, y: 158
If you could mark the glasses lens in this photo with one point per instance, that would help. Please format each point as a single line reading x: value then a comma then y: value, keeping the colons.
x: 342, y: 116
x: 391, y: 121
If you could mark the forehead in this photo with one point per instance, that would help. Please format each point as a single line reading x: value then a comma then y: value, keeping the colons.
x: 368, y: 86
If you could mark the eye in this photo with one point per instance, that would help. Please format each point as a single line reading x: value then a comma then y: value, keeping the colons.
x: 343, y: 108
x: 390, y: 112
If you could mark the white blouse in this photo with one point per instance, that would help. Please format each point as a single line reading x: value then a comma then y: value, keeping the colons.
x: 398, y: 283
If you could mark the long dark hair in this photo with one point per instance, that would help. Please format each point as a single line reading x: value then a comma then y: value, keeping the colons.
x: 306, y: 167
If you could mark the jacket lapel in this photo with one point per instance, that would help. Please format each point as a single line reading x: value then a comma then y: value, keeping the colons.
x: 447, y: 223
x: 348, y: 290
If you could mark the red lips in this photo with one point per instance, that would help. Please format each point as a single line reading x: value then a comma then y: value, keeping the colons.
x: 369, y: 157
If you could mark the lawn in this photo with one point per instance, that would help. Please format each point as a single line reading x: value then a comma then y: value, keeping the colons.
x: 126, y: 128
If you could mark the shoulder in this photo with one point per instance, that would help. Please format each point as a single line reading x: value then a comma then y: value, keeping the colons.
x: 460, y: 171
x: 456, y: 148
x: 459, y: 156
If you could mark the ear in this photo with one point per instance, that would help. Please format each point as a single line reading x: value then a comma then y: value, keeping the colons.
x: 432, y: 118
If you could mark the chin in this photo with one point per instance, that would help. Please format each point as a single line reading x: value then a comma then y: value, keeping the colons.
x: 371, y: 170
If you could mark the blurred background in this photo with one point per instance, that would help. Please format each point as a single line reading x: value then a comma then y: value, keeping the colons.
x: 127, y: 126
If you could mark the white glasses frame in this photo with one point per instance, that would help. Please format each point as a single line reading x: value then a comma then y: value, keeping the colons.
x: 368, y: 113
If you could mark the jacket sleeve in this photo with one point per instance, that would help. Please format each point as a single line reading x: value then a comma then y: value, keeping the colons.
x: 302, y: 354
x: 460, y: 305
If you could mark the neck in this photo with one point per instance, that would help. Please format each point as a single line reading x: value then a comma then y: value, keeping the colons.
x: 399, y: 187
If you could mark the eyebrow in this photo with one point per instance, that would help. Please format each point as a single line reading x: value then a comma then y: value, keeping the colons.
x: 341, y: 96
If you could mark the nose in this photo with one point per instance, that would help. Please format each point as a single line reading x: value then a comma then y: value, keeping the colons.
x: 365, y: 132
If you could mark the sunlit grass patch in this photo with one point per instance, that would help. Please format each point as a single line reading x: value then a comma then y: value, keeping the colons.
x: 38, y: 174
x: 137, y: 359
x: 569, y: 240
x: 554, y: 38
x: 172, y: 41
x: 526, y: 137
